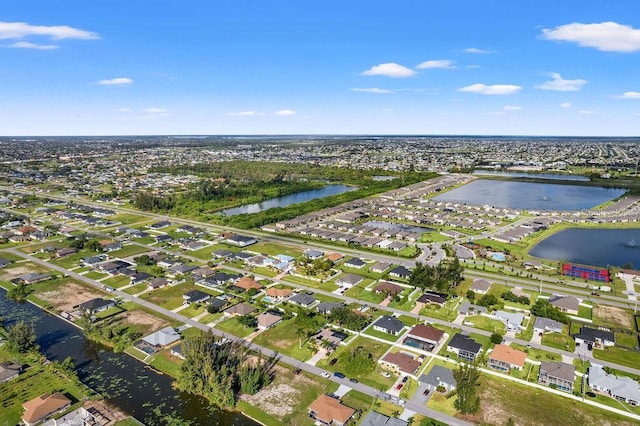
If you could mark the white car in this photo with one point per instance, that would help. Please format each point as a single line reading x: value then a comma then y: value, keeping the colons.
x: 385, y: 374
x: 325, y: 374
x: 402, y: 402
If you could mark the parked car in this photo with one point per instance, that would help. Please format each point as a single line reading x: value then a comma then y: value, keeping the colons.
x: 400, y: 385
x: 402, y: 402
x: 339, y: 375
x: 333, y: 361
x: 404, y: 379
x: 298, y: 371
x: 385, y: 374
x: 426, y: 392
x: 352, y: 380
x: 325, y: 374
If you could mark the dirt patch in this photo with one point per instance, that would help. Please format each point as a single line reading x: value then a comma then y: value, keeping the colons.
x: 10, y: 273
x: 280, y: 398
x: 107, y: 411
x: 68, y: 295
x: 282, y: 344
x: 612, y: 315
x: 148, y: 322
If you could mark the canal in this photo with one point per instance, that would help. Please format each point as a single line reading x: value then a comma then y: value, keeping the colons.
x: 119, y: 378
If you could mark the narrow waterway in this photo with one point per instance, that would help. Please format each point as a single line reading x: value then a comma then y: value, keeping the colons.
x: 122, y: 380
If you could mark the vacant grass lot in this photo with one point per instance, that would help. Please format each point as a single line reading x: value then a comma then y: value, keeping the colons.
x: 618, y: 356
x: 129, y: 250
x: 502, y: 399
x: 282, y: 338
x: 486, y: 324
x: 273, y: 249
x: 233, y: 326
x: 559, y: 341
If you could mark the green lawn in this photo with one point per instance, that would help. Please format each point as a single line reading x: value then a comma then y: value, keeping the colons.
x: 264, y: 271
x: 409, y: 389
x: 127, y: 218
x: 373, y: 378
x: 117, y: 281
x: 502, y: 399
x: 166, y: 363
x: 359, y: 292
x: 129, y: 250
x: 232, y: 326
x: 272, y: 249
x: 559, y: 341
x: 627, y: 340
x: 128, y: 422
x: 169, y: 297
x: 193, y: 309
x: 95, y: 275
x: 449, y: 312
x: 584, y: 312
x: 210, y: 318
x: 281, y: 338
x: 618, y: 356
x: 35, y: 381
x: 537, y: 354
x: 527, y: 333
x: 486, y: 323
x: 382, y: 335
x: 441, y: 403
x: 136, y: 288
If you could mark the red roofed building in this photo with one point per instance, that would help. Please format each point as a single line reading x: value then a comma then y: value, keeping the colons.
x: 401, y: 362
x: 330, y: 411
x: 505, y: 358
x: 43, y: 406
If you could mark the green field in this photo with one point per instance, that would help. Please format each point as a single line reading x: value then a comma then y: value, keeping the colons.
x: 559, y: 341
x: 486, y: 324
x: 281, y: 338
x: 129, y: 250
x: 618, y: 356
x: 273, y: 249
x: 232, y: 326
x: 170, y: 297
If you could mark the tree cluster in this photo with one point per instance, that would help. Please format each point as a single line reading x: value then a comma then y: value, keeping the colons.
x: 358, y: 361
x: 221, y: 370
x: 510, y: 297
x: 443, y: 277
x: 467, y: 375
x: 345, y: 317
x: 542, y: 308
x: 21, y: 338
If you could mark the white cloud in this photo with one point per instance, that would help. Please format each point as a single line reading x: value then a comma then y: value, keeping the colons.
x: 390, y: 69
x: 29, y: 45
x: 154, y: 112
x: 476, y: 50
x: 436, y: 63
x: 559, y: 84
x: 605, y: 36
x: 124, y: 109
x: 495, y: 89
x: 375, y: 90
x: 241, y: 114
x: 586, y: 111
x: 566, y: 105
x: 21, y: 30
x: 285, y: 112
x: 120, y: 81
x: 512, y: 108
x: 630, y: 95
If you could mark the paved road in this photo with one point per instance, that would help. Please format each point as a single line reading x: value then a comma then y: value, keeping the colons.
x: 268, y: 352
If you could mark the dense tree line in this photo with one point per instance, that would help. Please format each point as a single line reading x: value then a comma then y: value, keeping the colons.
x: 467, y: 375
x: 443, y: 277
x: 510, y: 297
x: 542, y: 308
x: 221, y: 370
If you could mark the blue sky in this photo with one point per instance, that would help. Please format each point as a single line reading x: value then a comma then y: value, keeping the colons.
x: 331, y: 67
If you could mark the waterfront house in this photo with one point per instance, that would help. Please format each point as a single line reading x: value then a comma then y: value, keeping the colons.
x: 43, y: 406
x: 505, y: 358
x: 558, y: 374
x: 465, y: 347
x: 621, y: 388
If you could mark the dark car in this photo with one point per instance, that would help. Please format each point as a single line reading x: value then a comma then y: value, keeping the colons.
x: 298, y: 371
x: 426, y: 392
x: 333, y: 361
x: 339, y: 375
x: 404, y: 379
x: 353, y: 380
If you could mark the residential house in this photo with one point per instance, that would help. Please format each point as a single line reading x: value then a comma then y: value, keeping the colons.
x: 158, y: 283
x: 424, y: 337
x: 177, y: 351
x: 595, y: 338
x: 92, y: 260
x: 139, y: 278
x: 400, y: 272
x: 326, y: 308
x: 621, y: 388
x: 470, y: 309
x: 401, y: 362
x: 159, y: 225
x: 64, y: 252
x: 513, y: 321
x: 380, y: 267
x: 373, y: 418
x: 547, y: 325
x: 220, y: 278
x: 278, y: 293
x: 195, y: 296
x: 335, y: 257
x: 43, y: 406
x: 349, y: 280
x: 355, y: 263
x: 163, y: 238
x: 241, y: 309
x: 330, y: 411
x: 245, y: 284
x: 431, y: 298
x: 267, y: 320
x: 388, y: 324
x: 312, y: 254
x: 9, y: 371
x: 566, y: 304
x: 303, y: 299
x: 179, y: 270
x: 439, y: 377
x: 31, y: 278
x: 331, y: 336
x: 96, y: 305
x: 241, y: 240
x: 162, y: 338
x: 506, y: 358
x: 217, y: 303
x: 222, y: 254
x: 481, y: 286
x: 557, y: 374
x: 465, y: 347
x: 387, y: 288
x: 201, y: 273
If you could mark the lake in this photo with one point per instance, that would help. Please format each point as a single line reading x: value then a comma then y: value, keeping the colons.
x: 598, y: 247
x: 119, y: 378
x: 530, y: 196
x: 550, y: 176
x: 285, y: 200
